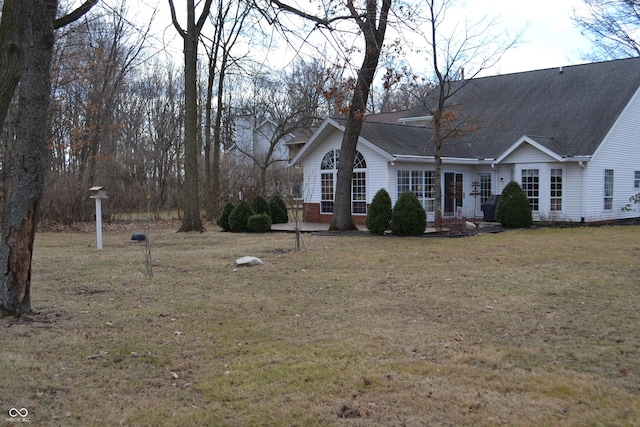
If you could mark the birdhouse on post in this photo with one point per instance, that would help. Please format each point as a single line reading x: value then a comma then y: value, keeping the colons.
x: 98, y: 193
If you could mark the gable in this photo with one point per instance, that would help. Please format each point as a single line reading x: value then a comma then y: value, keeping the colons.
x: 329, y: 136
x: 530, y: 150
x: 527, y: 153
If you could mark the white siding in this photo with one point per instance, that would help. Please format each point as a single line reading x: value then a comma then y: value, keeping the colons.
x: 572, y: 189
x: 619, y: 151
x: 527, y: 154
x: 505, y: 175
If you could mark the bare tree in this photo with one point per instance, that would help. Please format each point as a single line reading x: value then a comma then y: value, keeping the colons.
x: 92, y: 67
x: 455, y: 61
x: 228, y: 20
x: 613, y: 26
x: 279, y: 107
x: 191, y: 220
x: 27, y: 180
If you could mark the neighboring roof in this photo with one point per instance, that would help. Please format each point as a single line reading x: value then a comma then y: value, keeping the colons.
x: 567, y: 111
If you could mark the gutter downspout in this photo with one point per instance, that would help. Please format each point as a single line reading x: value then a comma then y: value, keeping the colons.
x: 583, y: 181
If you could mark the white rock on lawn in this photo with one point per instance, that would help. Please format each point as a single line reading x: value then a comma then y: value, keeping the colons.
x: 248, y: 261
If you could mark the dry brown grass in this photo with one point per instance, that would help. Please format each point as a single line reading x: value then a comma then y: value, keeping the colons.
x: 534, y: 327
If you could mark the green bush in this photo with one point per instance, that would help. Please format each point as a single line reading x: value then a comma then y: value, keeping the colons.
x: 409, y: 217
x: 379, y: 214
x: 239, y: 216
x: 278, y: 210
x: 261, y: 205
x: 513, y: 208
x: 223, y: 217
x: 259, y: 223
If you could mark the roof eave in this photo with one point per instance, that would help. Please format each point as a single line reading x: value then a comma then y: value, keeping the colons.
x: 445, y: 160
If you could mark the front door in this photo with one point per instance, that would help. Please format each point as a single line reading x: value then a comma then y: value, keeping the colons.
x: 483, y: 190
x: 453, y: 194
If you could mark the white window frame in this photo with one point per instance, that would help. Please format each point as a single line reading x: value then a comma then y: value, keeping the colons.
x: 555, y: 189
x: 420, y: 182
x: 328, y: 179
x: 532, y: 187
x: 608, y: 189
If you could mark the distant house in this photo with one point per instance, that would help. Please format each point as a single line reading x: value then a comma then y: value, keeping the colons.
x: 570, y: 137
x: 256, y: 139
x: 259, y: 157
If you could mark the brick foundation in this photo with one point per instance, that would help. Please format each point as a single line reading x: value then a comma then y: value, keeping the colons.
x: 311, y: 213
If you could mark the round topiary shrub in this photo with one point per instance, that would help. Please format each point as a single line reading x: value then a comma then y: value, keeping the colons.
x: 259, y: 223
x: 278, y: 210
x: 261, y: 205
x: 513, y: 208
x: 223, y: 217
x: 239, y: 216
x: 409, y: 217
x: 379, y: 214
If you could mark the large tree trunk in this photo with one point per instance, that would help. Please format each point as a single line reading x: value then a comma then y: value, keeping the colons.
x: 14, y: 14
x: 191, y: 220
x: 342, y: 220
x: 27, y: 180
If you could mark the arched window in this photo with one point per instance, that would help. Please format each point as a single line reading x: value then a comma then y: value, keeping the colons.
x: 328, y: 176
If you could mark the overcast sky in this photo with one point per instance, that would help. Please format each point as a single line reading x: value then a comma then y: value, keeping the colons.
x: 550, y: 38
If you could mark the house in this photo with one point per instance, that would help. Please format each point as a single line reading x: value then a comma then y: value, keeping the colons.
x: 261, y: 139
x: 569, y: 136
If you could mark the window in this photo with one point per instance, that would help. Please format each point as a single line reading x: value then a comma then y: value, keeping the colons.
x: 484, y: 179
x: 328, y: 176
x: 636, y: 181
x: 330, y: 160
x: 403, y: 181
x: 421, y: 183
x: 359, y: 193
x: 326, y: 185
x: 556, y: 190
x: 531, y: 187
x: 608, y: 189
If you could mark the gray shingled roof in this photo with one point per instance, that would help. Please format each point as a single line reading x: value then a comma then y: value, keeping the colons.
x: 568, y: 111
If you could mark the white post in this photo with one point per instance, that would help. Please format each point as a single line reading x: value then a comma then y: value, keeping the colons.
x: 99, y: 222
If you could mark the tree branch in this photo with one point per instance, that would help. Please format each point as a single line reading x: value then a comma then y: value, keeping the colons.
x: 174, y: 19
x: 75, y: 15
x: 287, y: 8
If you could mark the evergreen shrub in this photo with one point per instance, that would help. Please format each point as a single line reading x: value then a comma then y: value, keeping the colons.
x: 379, y: 214
x: 513, y: 208
x: 409, y: 217
x: 278, y: 210
x: 261, y: 205
x: 239, y: 216
x: 223, y: 217
x: 259, y: 223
